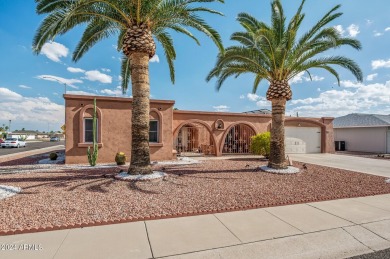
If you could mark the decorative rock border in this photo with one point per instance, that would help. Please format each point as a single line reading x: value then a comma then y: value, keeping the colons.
x: 179, y: 161
x: 289, y: 170
x: 167, y: 216
x: 124, y: 176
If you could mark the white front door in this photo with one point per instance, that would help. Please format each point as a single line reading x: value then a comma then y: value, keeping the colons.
x: 301, y: 140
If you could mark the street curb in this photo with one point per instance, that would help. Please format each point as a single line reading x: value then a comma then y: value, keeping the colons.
x: 6, y: 158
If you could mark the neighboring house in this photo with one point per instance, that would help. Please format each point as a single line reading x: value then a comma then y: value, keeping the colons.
x: 40, y: 135
x: 24, y: 134
x: 176, y: 131
x: 363, y: 132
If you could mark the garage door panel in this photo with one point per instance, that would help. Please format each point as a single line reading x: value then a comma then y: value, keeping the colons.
x: 300, y: 140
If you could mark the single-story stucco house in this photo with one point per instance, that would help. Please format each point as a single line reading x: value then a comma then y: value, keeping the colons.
x: 363, y: 132
x: 23, y: 134
x: 175, y: 132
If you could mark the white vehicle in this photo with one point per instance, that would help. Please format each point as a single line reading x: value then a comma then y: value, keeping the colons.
x: 13, y: 142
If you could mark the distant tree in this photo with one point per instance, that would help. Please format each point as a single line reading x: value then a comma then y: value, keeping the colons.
x: 23, y: 129
x: 63, y: 128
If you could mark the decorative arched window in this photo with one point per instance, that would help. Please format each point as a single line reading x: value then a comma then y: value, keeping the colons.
x: 155, y: 124
x: 86, y: 126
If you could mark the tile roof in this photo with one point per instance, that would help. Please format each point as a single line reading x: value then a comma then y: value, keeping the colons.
x: 362, y: 120
x: 261, y: 111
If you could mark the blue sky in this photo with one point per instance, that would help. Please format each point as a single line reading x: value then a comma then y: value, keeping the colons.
x: 33, y: 101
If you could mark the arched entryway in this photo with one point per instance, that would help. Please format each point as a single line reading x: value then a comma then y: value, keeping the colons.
x: 194, y: 139
x: 238, y: 139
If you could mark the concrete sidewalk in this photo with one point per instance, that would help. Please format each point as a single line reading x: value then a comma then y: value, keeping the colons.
x: 353, y: 163
x: 330, y: 229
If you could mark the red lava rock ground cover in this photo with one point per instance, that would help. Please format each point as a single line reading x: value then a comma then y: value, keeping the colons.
x: 73, y: 199
x: 30, y: 160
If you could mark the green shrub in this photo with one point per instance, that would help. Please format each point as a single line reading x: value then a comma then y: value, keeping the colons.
x: 261, y: 144
x: 120, y: 158
x: 53, y: 156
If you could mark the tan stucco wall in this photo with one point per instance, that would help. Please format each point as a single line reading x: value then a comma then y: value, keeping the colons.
x: 115, y: 127
x: 363, y: 139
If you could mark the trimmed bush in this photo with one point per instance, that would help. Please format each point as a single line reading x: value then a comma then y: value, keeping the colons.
x: 261, y: 144
x: 120, y: 158
x: 53, y: 156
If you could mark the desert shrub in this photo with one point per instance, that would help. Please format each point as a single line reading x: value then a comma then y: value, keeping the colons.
x: 120, y: 158
x: 53, y: 156
x: 261, y: 144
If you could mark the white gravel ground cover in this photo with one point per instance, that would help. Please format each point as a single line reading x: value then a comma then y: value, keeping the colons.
x: 289, y: 170
x: 387, y: 180
x: 59, y: 159
x: 141, y: 177
x: 179, y: 161
x: 8, y: 191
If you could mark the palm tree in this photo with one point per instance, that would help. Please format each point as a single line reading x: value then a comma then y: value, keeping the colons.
x: 136, y: 24
x: 275, y: 53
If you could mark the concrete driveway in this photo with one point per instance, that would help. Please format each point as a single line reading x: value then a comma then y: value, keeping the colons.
x: 353, y: 163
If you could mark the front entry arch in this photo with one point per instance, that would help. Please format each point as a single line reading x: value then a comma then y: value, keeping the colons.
x: 193, y: 138
x: 237, y: 139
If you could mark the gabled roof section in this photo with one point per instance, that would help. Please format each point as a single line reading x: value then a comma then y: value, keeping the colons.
x: 361, y: 120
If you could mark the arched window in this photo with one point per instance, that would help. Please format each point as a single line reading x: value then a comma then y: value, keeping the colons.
x: 155, y: 123
x: 86, y: 126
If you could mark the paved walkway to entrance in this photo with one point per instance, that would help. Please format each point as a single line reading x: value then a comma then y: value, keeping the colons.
x: 353, y: 163
x: 330, y: 229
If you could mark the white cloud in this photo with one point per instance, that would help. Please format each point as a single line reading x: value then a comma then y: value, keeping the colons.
x: 262, y: 102
x: 340, y: 29
x: 297, y: 79
x: 252, y: 97
x: 68, y: 82
x: 242, y: 96
x: 371, y: 77
x: 79, y: 93
x: 155, y: 58
x: 54, y: 51
x: 75, y: 70
x: 387, y: 29
x: 221, y: 108
x: 370, y: 98
x: 319, y: 89
x: 350, y: 84
x: 353, y: 30
x: 116, y: 92
x: 315, y: 78
x: 8, y: 95
x: 24, y: 86
x: 369, y: 22
x: 377, y: 34
x: 95, y: 75
x: 30, y: 112
x: 375, y: 64
x: 107, y: 70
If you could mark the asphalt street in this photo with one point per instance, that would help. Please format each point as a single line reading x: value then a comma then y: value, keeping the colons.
x: 30, y: 146
x: 384, y: 254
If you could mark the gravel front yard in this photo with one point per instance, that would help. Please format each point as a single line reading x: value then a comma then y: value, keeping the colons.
x: 70, y: 199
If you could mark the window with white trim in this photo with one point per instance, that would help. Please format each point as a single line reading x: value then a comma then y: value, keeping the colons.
x: 153, y: 131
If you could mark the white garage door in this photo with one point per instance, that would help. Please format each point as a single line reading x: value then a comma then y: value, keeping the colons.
x: 300, y: 140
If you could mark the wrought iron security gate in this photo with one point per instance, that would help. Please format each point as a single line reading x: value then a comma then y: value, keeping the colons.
x: 238, y: 140
x: 194, y: 138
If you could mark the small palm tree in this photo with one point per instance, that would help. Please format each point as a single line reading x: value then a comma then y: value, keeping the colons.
x: 136, y: 24
x: 276, y: 54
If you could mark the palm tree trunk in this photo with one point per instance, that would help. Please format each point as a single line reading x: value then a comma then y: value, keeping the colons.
x: 140, y: 156
x: 277, y: 158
